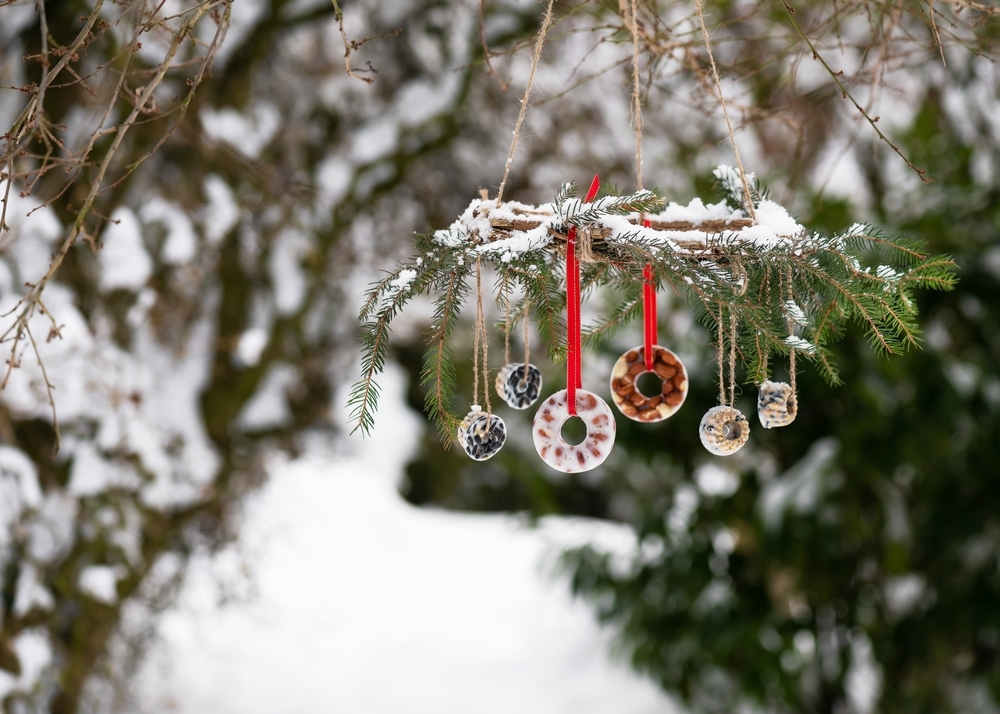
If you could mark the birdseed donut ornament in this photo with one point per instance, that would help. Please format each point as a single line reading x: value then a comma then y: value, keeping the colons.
x: 481, y: 435
x: 776, y: 404
x: 633, y: 403
x: 519, y: 384
x: 546, y: 429
x: 648, y: 359
x: 724, y: 430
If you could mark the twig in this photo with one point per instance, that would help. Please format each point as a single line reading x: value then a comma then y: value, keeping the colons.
x: 32, y: 301
x: 48, y: 390
x: 487, y: 53
x: 790, y: 11
x: 934, y: 30
x: 354, y: 45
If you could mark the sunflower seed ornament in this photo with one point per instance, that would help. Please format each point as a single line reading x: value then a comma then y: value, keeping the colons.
x: 519, y: 384
x: 724, y: 430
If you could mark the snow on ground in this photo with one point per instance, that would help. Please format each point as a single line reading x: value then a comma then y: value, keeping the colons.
x: 362, y: 603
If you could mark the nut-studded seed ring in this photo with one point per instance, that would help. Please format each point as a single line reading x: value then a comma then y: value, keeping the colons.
x: 517, y: 386
x: 633, y: 403
x: 776, y: 404
x: 481, y: 438
x: 724, y: 430
x: 546, y: 431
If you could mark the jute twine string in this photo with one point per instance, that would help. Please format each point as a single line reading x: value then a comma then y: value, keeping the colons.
x: 721, y: 355
x: 506, y: 323
x: 767, y: 301
x: 725, y: 112
x: 585, y: 246
x: 524, y: 334
x: 480, y: 345
x: 721, y: 352
x: 527, y: 342
x: 539, y: 41
x: 791, y: 331
x: 732, y: 359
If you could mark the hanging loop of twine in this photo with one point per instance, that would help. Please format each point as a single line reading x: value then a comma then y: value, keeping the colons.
x: 527, y: 342
x: 791, y: 331
x: 732, y: 358
x: 539, y: 41
x: 725, y: 111
x: 721, y: 352
x: 506, y: 322
x: 475, y: 341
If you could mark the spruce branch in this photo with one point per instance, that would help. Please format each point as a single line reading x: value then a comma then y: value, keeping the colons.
x: 789, y: 293
x: 439, y: 374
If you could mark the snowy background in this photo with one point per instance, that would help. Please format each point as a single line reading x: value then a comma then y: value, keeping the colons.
x: 348, y: 599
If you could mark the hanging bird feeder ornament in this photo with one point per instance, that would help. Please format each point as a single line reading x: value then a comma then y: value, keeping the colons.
x: 625, y: 389
x: 546, y: 431
x: 769, y: 287
x: 574, y: 400
x: 519, y: 384
x: 785, y: 291
x: 724, y: 430
x: 481, y: 435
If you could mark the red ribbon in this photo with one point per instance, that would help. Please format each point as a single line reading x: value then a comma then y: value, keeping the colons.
x: 648, y: 312
x: 574, y: 366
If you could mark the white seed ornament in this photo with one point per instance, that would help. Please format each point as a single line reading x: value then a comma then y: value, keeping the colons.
x: 481, y: 436
x: 724, y: 430
x: 776, y: 404
x: 519, y: 385
x: 546, y: 430
x: 633, y: 403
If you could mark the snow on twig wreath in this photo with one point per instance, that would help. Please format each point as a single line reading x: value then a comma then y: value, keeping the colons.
x: 744, y: 277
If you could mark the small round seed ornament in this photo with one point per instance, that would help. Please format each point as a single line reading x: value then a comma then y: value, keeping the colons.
x: 481, y: 435
x: 724, y: 430
x: 633, y: 403
x: 776, y: 404
x: 546, y: 430
x: 519, y: 385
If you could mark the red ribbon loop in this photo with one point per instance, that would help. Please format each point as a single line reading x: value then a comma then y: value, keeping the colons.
x: 648, y: 312
x: 574, y: 365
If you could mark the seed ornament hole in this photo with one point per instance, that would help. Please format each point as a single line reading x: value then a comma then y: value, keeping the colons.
x: 649, y: 384
x: 574, y: 431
